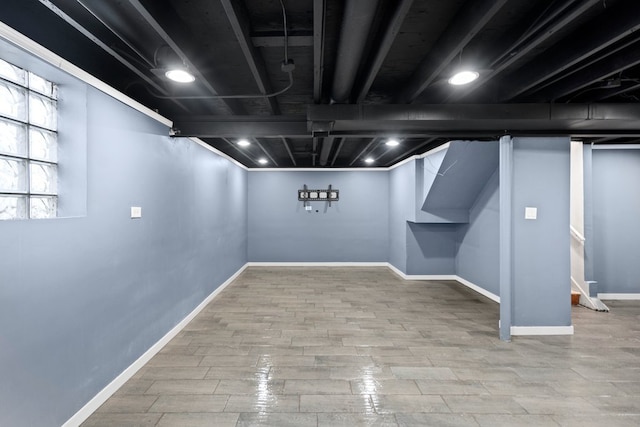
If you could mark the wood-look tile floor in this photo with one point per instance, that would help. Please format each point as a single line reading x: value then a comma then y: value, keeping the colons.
x: 361, y: 347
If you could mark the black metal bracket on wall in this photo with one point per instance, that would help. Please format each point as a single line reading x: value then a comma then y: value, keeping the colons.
x: 329, y: 195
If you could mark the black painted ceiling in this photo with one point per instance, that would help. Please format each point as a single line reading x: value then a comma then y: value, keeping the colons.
x: 361, y: 70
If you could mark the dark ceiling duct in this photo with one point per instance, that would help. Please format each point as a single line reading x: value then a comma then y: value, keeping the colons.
x: 356, y: 24
x: 327, y: 145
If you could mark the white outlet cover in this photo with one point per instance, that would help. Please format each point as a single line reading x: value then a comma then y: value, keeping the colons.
x: 530, y: 213
x: 136, y: 212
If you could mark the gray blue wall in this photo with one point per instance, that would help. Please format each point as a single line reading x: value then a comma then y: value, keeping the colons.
x: 354, y: 229
x: 478, y: 252
x: 616, y: 209
x: 541, y: 267
x: 81, y: 298
x: 431, y: 248
x: 401, y: 207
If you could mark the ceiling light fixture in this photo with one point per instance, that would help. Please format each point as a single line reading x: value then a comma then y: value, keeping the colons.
x: 180, y: 75
x: 463, y: 77
x: 392, y: 143
x: 369, y: 160
x: 244, y: 143
x: 262, y: 161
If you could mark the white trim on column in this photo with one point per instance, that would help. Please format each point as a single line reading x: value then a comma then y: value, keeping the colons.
x: 609, y: 296
x: 542, y: 330
x: 102, y: 396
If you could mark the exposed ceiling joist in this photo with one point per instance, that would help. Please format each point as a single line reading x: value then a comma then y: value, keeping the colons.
x: 383, y: 47
x: 319, y: 10
x: 633, y: 88
x: 368, y: 52
x: 240, y: 151
x: 288, y: 148
x: 278, y: 41
x: 511, y: 57
x: 598, y: 72
x: 614, y: 25
x: 241, y: 28
x: 365, y: 150
x: 410, y: 150
x: 164, y: 24
x: 471, y: 19
x: 265, y: 151
x: 354, y: 33
x: 121, y: 59
x: 115, y: 32
x: 335, y: 156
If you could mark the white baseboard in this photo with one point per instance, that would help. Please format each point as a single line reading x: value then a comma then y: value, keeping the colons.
x: 91, y: 406
x: 478, y: 289
x: 405, y: 276
x: 619, y: 296
x: 542, y: 330
x: 455, y: 277
x: 317, y: 264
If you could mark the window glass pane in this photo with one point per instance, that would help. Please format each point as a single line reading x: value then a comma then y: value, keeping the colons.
x: 13, y: 138
x: 13, y: 175
x: 11, y: 72
x: 43, y: 207
x: 13, y: 101
x: 13, y: 207
x: 43, y: 178
x: 43, y: 145
x: 42, y: 112
x: 41, y: 85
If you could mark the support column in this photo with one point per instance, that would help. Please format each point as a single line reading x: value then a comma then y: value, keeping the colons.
x: 588, y: 212
x: 506, y: 250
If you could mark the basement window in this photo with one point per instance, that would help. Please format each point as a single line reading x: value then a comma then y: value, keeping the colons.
x: 28, y: 144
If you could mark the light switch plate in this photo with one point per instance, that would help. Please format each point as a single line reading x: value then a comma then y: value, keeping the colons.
x: 136, y: 212
x: 530, y: 213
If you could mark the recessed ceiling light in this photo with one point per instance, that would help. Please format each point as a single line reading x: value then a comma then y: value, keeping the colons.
x: 180, y: 75
x: 392, y: 142
x: 369, y: 160
x: 463, y: 77
x: 262, y: 161
x: 244, y: 143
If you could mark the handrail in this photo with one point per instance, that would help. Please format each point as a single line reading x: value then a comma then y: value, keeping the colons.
x: 576, y: 234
